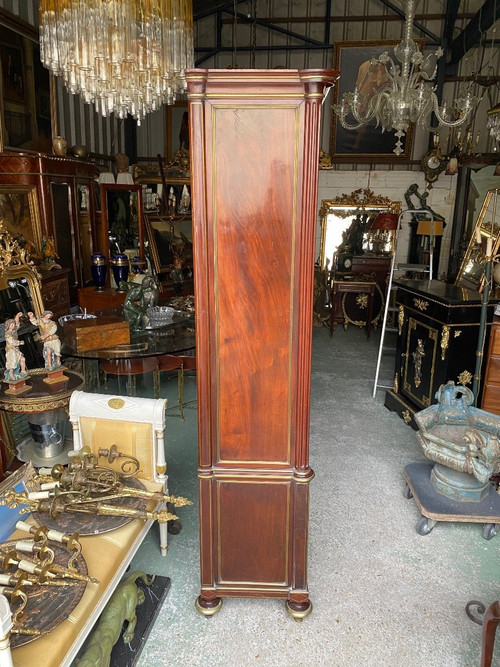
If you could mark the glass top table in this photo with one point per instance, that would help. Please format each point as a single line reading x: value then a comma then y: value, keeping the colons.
x: 174, y: 338
x: 177, y: 337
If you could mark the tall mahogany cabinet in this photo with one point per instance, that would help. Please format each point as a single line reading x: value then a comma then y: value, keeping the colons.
x: 254, y: 164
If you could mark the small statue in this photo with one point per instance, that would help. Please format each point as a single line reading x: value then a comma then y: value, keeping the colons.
x: 185, y: 202
x: 122, y: 163
x: 50, y: 339
x: 132, y: 310
x: 172, y: 201
x: 325, y: 160
x: 34, y: 254
x: 150, y: 292
x: 413, y: 191
x: 120, y: 608
x: 177, y: 274
x: 49, y: 254
x: 15, y: 362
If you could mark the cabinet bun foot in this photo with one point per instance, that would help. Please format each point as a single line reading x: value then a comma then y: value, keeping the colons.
x: 208, y: 607
x: 299, y: 610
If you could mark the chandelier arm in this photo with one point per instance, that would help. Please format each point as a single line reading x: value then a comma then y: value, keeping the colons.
x: 450, y: 123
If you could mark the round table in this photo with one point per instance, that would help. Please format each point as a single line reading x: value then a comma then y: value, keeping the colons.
x: 42, y: 398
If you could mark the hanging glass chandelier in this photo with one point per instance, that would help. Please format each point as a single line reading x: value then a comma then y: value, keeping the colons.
x: 124, y: 56
x: 405, y: 92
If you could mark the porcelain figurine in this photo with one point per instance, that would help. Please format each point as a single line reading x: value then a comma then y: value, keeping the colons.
x: 15, y: 363
x: 50, y: 339
x: 185, y: 203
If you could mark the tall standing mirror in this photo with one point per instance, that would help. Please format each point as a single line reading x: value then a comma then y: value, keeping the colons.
x: 486, y: 232
x: 353, y: 216
x: 354, y: 230
x: 122, y: 224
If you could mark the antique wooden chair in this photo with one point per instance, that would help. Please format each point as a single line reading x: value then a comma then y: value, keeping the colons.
x: 491, y: 619
x: 130, y: 369
x: 136, y: 426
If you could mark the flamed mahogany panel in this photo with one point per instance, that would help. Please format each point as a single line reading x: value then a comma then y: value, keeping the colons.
x: 254, y: 238
x: 246, y: 509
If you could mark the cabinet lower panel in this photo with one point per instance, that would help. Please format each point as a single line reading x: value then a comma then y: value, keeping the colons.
x: 256, y: 530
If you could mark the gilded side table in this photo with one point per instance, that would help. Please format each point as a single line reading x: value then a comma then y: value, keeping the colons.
x: 365, y: 294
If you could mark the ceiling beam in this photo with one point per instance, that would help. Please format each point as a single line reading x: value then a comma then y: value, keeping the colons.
x: 274, y: 28
x: 450, y: 19
x: 473, y: 33
x: 416, y: 24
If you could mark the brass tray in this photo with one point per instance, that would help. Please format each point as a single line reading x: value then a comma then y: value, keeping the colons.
x: 47, y: 605
x: 92, y: 524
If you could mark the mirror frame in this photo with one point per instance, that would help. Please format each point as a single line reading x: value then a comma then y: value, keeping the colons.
x: 487, y: 229
x: 104, y: 240
x: 15, y: 264
x: 349, y: 205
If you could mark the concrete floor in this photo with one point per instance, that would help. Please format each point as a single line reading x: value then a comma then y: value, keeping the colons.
x: 382, y: 594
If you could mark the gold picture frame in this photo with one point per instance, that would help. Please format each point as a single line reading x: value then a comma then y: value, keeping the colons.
x: 20, y: 214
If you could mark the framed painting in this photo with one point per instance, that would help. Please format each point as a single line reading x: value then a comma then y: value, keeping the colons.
x: 177, y: 128
x: 168, y: 237
x: 26, y: 114
x: 13, y: 73
x: 20, y: 215
x: 122, y: 224
x: 368, y: 143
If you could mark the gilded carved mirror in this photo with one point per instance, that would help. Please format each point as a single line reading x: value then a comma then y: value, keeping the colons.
x: 486, y: 233
x: 340, y: 214
x: 20, y: 282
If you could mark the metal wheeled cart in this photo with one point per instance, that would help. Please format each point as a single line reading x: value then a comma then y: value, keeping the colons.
x: 435, y: 507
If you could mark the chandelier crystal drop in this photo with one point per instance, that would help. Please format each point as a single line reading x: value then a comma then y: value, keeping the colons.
x: 405, y: 92
x: 123, y: 56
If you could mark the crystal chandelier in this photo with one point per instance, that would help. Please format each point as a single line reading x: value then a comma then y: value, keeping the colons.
x: 124, y: 56
x: 405, y: 92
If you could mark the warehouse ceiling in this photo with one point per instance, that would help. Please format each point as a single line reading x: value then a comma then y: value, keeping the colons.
x: 476, y: 25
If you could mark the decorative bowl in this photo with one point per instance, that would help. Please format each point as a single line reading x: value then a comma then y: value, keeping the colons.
x: 159, y: 316
x: 75, y: 316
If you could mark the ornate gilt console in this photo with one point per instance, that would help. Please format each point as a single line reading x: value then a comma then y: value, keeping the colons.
x: 438, y: 328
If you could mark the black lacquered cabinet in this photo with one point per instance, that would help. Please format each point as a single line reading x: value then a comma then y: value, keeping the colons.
x: 438, y: 329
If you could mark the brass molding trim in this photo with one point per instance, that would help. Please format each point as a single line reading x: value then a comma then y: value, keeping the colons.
x: 421, y: 304
x: 445, y: 339
x: 465, y: 377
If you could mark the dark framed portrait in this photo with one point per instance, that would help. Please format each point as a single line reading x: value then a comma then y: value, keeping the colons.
x: 177, y: 128
x: 25, y: 107
x: 13, y: 73
x: 368, y: 143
